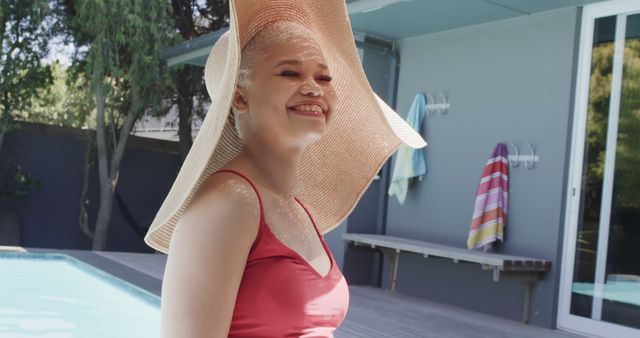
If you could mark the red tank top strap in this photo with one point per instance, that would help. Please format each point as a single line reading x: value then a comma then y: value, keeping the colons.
x: 313, y: 221
x: 252, y: 185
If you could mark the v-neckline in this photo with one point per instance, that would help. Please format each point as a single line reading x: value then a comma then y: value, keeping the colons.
x: 295, y: 253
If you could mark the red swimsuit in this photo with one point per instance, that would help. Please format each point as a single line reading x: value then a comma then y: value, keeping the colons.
x: 282, y: 295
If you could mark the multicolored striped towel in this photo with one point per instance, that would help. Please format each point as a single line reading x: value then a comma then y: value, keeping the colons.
x: 490, y: 211
x: 410, y: 162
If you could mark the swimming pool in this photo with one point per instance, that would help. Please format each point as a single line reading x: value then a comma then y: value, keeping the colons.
x: 57, y: 296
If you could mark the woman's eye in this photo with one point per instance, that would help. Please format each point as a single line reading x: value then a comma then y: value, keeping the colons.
x: 289, y: 73
x: 326, y: 78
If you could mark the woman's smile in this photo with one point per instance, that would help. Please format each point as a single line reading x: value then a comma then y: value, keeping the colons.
x: 311, y: 113
x: 311, y: 109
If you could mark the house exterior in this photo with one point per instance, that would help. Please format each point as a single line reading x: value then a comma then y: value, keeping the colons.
x: 560, y: 78
x: 165, y: 127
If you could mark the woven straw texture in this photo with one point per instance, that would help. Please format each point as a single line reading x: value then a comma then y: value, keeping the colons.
x: 335, y: 171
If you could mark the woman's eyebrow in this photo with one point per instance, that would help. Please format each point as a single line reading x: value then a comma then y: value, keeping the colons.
x: 297, y: 63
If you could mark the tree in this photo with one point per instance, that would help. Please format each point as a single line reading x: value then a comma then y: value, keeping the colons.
x: 193, y: 18
x: 127, y: 77
x: 67, y: 102
x: 25, y: 29
x: 624, y: 234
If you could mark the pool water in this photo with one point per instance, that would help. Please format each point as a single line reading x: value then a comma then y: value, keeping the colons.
x: 56, y: 296
x: 620, y: 291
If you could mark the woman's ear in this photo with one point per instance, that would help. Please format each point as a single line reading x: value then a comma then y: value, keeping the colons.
x: 239, y: 102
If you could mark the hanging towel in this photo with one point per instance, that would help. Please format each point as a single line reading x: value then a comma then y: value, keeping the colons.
x: 409, y: 162
x: 490, y: 211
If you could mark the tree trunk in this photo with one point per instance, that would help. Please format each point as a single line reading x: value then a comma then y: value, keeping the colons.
x: 83, y: 220
x: 106, y: 188
x: 104, y: 217
x: 5, y: 123
x: 185, y: 110
x: 1, y: 139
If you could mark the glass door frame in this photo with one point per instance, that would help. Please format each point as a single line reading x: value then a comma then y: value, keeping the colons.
x: 566, y: 320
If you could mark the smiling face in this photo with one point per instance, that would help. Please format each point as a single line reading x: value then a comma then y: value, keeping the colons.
x: 284, y: 92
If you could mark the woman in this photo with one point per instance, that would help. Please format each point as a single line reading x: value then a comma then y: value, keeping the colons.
x: 246, y: 214
x: 283, y: 102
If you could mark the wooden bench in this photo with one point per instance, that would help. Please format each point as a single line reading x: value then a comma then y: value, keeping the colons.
x: 522, y: 269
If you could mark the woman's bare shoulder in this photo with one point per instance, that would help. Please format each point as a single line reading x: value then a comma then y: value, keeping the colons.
x: 207, y: 257
x: 224, y: 200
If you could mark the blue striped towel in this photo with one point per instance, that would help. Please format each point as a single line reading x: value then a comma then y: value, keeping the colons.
x: 409, y: 162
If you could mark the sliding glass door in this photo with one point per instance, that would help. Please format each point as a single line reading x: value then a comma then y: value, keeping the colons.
x: 600, y: 287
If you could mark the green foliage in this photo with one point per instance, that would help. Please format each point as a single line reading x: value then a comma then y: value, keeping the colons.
x: 25, y: 30
x: 197, y: 17
x: 625, y: 212
x: 193, y: 18
x: 67, y: 102
x: 628, y: 142
x: 124, y: 67
x: 125, y: 41
x: 15, y: 183
x: 628, y: 149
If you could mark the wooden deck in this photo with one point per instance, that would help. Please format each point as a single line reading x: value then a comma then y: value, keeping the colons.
x: 373, y: 312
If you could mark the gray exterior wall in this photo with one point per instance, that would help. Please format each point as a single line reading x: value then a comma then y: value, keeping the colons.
x: 509, y: 81
x: 369, y: 214
x: 55, y: 156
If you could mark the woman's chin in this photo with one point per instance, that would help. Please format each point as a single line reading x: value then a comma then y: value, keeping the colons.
x: 311, y: 126
x: 312, y: 137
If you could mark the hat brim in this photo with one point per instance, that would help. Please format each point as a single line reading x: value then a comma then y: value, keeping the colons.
x: 335, y: 171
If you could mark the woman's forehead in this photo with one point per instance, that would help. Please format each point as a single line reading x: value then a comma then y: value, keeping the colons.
x: 283, y: 41
x: 299, y: 62
x: 295, y: 52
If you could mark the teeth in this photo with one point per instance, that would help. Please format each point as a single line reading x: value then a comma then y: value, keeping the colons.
x: 309, y: 107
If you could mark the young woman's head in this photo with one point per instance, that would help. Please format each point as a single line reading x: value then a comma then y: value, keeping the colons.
x: 284, y: 93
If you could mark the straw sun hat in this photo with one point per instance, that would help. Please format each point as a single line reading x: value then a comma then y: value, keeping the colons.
x: 335, y: 171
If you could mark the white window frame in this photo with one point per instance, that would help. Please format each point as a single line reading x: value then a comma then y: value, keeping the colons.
x: 567, y: 321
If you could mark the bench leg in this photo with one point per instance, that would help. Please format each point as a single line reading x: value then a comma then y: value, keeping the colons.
x: 393, y: 256
x: 528, y: 286
x: 394, y: 272
x: 526, y: 279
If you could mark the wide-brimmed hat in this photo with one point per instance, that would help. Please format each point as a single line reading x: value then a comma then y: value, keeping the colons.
x: 335, y: 171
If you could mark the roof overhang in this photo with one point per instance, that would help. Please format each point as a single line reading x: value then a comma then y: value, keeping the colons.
x: 402, y: 19
x: 193, y: 52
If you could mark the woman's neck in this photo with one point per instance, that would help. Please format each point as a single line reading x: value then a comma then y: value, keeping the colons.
x: 274, y: 170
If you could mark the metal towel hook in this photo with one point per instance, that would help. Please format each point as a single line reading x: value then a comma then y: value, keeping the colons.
x: 431, y: 102
x: 532, y: 163
x: 443, y: 106
x: 515, y: 163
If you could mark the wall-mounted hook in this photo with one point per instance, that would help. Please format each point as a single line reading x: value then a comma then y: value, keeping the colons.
x: 515, y: 163
x: 430, y: 104
x: 437, y: 103
x: 443, y: 105
x: 529, y: 160
x: 532, y: 163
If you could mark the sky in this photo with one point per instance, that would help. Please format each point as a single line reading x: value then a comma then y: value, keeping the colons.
x: 60, y: 51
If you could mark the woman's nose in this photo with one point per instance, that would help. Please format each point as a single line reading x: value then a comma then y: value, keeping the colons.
x: 311, y: 87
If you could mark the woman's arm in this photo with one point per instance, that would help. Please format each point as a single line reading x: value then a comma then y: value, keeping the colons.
x: 207, y: 257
